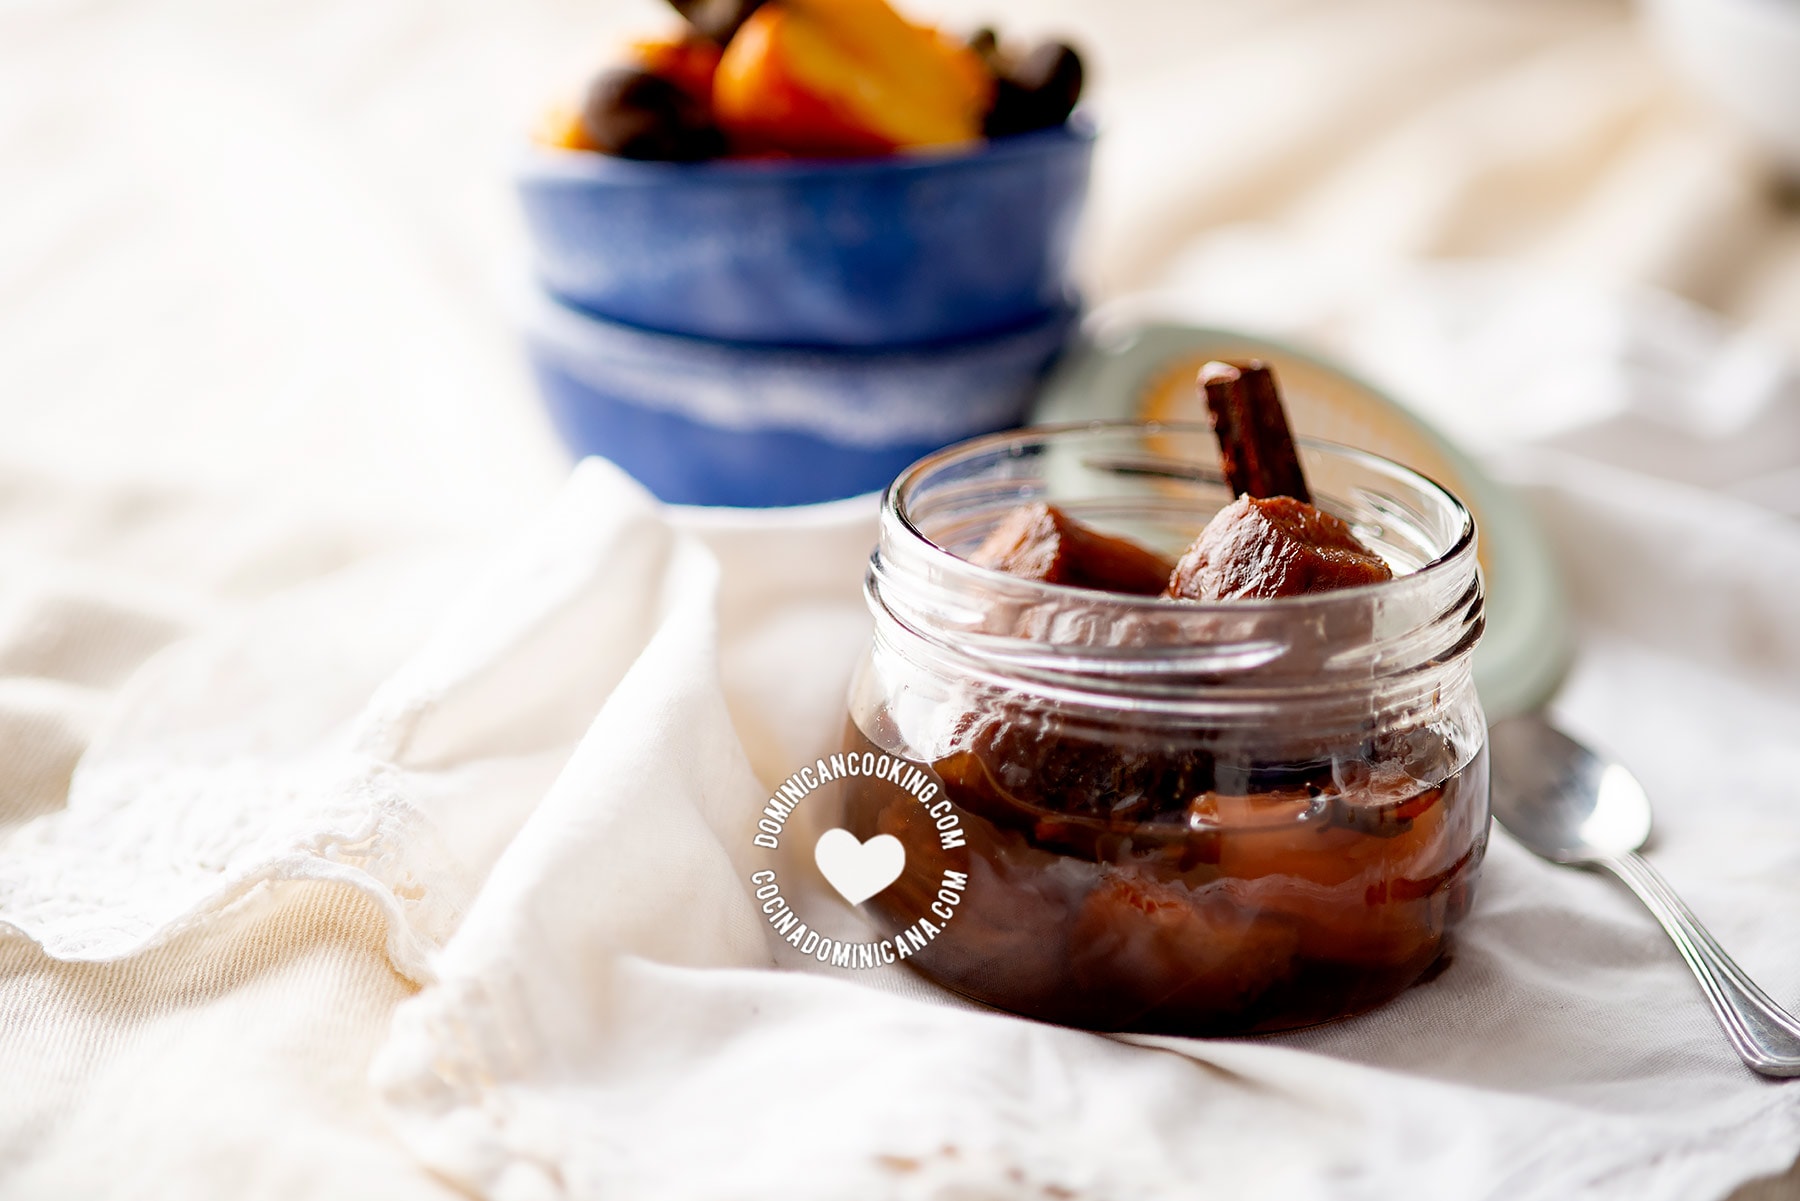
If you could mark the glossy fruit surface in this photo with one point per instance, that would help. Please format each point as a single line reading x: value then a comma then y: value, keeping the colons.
x: 847, y: 77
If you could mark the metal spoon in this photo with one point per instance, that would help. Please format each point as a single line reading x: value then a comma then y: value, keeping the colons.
x: 1566, y: 803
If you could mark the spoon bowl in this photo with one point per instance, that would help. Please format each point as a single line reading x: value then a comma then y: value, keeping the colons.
x: 1560, y: 799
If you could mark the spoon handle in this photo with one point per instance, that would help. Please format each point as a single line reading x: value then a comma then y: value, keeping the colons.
x: 1764, y: 1034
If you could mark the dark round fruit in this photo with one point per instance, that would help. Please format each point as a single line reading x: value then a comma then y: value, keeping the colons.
x: 1036, y: 92
x: 986, y: 45
x: 716, y: 20
x: 637, y: 114
x: 1052, y: 71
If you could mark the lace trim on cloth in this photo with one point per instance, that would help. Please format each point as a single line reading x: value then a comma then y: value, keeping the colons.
x: 328, y: 744
x: 146, y: 851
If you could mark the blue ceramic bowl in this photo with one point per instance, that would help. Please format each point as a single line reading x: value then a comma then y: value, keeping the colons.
x: 904, y: 249
x: 711, y: 423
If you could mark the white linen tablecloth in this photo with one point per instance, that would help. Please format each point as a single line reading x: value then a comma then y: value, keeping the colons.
x: 540, y: 804
x: 368, y: 828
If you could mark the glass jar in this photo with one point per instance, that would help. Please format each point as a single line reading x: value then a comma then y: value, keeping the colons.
x: 1175, y: 817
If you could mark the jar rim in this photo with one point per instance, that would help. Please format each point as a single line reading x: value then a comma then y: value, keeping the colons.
x: 894, y: 509
x: 1403, y: 637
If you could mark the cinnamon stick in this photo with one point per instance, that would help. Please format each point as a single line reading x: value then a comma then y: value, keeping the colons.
x: 1256, y: 448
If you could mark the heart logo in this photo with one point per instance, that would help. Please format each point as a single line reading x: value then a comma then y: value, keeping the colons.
x: 859, y: 870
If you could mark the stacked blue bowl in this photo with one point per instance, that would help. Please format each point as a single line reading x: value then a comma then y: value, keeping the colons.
x: 780, y: 332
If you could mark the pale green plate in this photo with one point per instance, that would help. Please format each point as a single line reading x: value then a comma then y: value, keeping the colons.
x: 1148, y: 373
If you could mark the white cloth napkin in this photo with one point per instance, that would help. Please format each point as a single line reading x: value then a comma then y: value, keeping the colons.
x: 549, y: 795
x: 599, y: 1028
